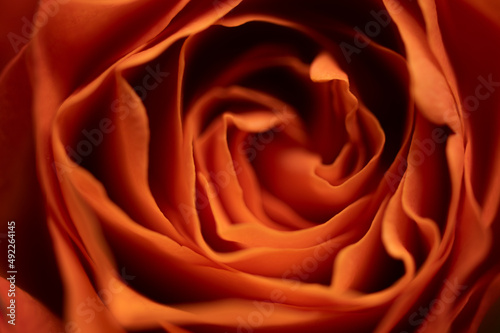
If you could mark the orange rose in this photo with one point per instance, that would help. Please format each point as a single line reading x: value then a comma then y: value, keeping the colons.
x: 250, y: 166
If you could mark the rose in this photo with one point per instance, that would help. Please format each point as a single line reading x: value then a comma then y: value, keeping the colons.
x: 254, y: 166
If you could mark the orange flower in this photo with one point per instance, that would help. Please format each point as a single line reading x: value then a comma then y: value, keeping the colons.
x: 250, y: 166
